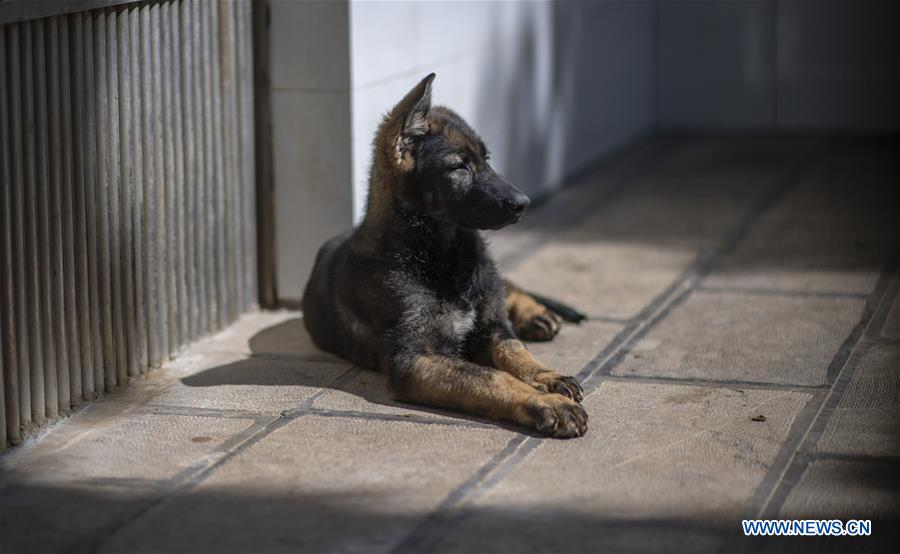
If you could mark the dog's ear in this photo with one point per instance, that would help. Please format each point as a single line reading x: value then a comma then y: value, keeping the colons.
x: 409, y: 121
x: 414, y: 108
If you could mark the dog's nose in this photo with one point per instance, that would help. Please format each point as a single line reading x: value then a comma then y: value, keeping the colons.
x: 518, y: 203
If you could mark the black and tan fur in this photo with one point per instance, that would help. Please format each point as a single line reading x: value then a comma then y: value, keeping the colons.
x: 413, y: 292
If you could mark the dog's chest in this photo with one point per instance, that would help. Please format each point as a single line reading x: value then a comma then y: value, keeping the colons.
x: 462, y: 321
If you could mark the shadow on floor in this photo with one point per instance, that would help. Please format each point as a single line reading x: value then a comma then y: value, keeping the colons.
x: 340, y: 518
x: 284, y: 343
x: 285, y: 356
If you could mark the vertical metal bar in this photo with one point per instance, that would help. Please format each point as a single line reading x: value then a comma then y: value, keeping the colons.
x: 69, y: 208
x: 202, y: 200
x: 183, y: 311
x: 42, y: 186
x: 240, y: 163
x: 8, y: 337
x: 225, y: 31
x: 220, y: 187
x: 126, y: 153
x: 58, y: 321
x: 234, y: 247
x: 81, y: 186
x: 141, y: 277
x: 198, y: 190
x: 209, y: 209
x: 31, y: 260
x: 159, y: 187
x: 117, y: 240
x: 247, y: 153
x: 3, y: 438
x: 20, y: 252
x: 148, y: 145
x: 265, y: 228
x: 168, y: 192
x: 101, y: 116
x: 2, y: 399
x: 192, y: 165
x: 92, y: 211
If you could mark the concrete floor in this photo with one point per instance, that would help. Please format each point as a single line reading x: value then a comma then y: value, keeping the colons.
x: 727, y: 278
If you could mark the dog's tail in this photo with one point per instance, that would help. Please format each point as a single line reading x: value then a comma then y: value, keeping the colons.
x: 568, y: 313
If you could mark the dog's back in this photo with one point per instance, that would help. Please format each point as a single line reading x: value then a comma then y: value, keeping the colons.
x: 322, y: 295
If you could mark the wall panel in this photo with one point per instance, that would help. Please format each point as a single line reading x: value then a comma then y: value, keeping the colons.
x: 126, y: 158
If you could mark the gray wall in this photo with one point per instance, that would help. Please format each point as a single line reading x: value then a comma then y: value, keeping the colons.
x: 786, y: 64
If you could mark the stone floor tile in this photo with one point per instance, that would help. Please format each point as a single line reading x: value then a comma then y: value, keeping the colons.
x: 831, y: 231
x: 575, y: 346
x: 739, y: 157
x: 367, y: 392
x: 745, y: 337
x: 573, y: 203
x: 891, y: 328
x: 510, y: 243
x: 866, y: 421
x: 781, y: 255
x: 618, y: 259
x: 254, y: 383
x: 319, y: 484
x: 55, y: 517
x: 274, y: 333
x: 677, y: 212
x: 136, y: 444
x: 659, y: 463
x: 845, y: 489
x: 853, y: 185
x: 840, y: 489
x: 557, y: 530
x: 606, y: 279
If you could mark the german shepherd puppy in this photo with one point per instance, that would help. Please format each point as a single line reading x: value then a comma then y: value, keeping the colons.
x: 412, y: 291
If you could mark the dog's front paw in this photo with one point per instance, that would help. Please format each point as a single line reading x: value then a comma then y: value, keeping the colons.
x: 538, y: 326
x: 557, y: 416
x: 551, y: 381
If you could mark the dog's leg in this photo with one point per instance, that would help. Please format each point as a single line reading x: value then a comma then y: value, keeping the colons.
x: 509, y: 354
x: 531, y: 320
x: 446, y: 382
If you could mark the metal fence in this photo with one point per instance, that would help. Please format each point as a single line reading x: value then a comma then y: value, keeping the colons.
x: 127, y: 210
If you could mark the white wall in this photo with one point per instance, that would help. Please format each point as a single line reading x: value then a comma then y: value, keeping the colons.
x: 310, y: 84
x: 550, y: 86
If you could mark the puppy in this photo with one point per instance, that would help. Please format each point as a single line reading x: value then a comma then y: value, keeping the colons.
x: 413, y: 292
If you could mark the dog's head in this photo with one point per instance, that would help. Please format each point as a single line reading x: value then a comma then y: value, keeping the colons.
x: 440, y: 166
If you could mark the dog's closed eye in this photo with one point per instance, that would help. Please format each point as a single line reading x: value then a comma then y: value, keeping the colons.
x: 456, y: 163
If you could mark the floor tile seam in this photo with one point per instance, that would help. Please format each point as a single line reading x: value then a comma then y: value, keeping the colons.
x: 782, y: 481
